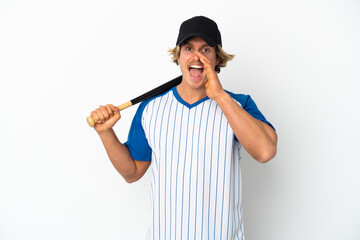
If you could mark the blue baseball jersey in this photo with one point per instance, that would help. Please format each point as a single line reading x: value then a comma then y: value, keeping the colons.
x: 195, y: 164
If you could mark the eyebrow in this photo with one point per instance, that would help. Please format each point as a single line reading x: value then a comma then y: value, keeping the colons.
x: 204, y: 45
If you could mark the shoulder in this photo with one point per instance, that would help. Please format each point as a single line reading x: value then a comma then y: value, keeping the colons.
x: 244, y: 99
x: 249, y: 105
x: 150, y: 102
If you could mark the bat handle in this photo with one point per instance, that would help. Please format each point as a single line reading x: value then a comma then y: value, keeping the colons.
x: 121, y: 107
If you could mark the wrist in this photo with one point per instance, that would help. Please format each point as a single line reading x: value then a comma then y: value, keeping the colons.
x: 222, y: 97
x: 105, y: 132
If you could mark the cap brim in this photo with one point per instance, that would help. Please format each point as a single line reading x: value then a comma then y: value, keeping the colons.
x: 208, y: 40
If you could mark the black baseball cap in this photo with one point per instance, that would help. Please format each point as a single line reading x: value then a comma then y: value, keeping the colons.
x: 200, y: 26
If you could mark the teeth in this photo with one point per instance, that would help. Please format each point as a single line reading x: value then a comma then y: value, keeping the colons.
x: 195, y: 66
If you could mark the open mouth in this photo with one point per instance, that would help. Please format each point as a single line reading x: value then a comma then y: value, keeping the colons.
x: 195, y: 70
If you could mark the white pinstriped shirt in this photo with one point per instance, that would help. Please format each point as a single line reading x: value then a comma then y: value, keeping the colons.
x: 195, y: 164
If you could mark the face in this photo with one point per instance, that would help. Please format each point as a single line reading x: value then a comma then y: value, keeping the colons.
x: 190, y: 64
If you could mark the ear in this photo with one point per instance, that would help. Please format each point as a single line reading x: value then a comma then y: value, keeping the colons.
x: 217, y: 61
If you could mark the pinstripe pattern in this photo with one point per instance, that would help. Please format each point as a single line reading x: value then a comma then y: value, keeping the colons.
x: 196, y: 182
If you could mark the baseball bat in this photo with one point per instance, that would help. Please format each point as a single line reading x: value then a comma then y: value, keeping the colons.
x: 152, y: 93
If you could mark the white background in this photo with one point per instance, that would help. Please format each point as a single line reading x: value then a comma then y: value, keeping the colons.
x: 299, y: 60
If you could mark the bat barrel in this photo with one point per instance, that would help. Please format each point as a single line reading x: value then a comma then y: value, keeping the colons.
x: 158, y: 90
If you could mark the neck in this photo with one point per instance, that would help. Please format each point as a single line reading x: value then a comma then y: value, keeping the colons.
x: 190, y: 95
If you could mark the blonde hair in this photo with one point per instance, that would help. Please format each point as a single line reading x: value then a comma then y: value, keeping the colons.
x: 220, y: 54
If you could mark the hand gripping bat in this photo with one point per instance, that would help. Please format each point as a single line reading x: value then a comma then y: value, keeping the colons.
x: 152, y: 93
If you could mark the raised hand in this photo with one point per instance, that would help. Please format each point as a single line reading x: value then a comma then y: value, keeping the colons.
x: 213, y: 85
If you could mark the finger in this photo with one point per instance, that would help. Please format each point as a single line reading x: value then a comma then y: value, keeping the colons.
x: 203, y: 59
x: 95, y: 116
x: 114, y: 109
x: 109, y: 110
x: 105, y: 112
x: 100, y: 114
x: 206, y: 63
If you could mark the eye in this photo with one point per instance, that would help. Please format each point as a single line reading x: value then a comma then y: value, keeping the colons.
x: 206, y: 50
x: 188, y: 48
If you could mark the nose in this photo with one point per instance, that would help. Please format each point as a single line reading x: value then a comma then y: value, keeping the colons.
x: 195, y: 57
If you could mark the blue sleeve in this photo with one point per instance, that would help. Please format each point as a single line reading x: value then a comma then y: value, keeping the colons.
x: 249, y: 106
x: 137, y: 142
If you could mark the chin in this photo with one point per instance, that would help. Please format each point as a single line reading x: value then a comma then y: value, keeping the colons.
x: 195, y: 82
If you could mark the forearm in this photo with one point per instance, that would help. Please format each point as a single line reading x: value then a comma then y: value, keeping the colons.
x: 119, y: 155
x: 257, y: 138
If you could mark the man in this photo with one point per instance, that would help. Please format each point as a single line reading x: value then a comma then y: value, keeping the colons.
x: 192, y: 136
